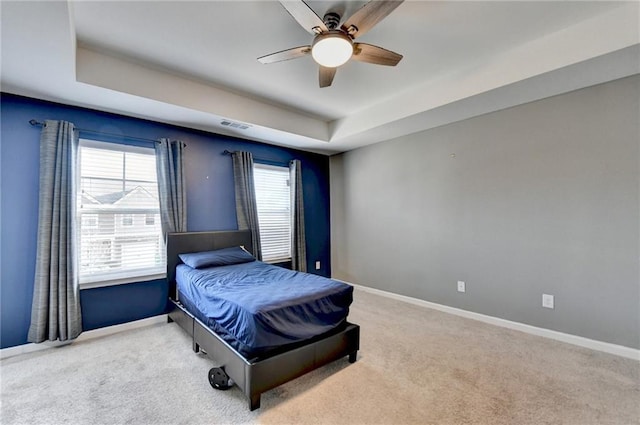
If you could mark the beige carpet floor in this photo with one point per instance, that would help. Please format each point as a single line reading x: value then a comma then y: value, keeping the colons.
x: 416, y: 366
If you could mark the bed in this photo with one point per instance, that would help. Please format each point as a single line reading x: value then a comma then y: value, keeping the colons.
x: 284, y: 341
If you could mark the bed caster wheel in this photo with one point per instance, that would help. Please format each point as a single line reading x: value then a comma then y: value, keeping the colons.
x: 219, y: 379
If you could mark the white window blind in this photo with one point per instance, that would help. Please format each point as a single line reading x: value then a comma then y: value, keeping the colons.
x: 273, y: 200
x: 119, y: 213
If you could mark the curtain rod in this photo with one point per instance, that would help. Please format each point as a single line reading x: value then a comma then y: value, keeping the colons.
x: 35, y: 123
x: 268, y: 161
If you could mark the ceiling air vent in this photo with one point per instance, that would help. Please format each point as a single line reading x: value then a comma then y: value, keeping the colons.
x: 233, y: 124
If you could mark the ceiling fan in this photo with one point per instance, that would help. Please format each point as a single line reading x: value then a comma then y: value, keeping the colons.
x: 333, y: 44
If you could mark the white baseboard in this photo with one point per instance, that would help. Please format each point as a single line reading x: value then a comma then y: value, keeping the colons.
x: 618, y: 350
x: 95, y: 333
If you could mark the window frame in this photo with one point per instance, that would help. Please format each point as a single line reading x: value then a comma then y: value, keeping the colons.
x: 127, y: 219
x: 150, y: 220
x: 123, y: 277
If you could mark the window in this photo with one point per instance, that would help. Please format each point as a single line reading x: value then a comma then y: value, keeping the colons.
x: 119, y: 213
x: 273, y: 201
x: 90, y: 221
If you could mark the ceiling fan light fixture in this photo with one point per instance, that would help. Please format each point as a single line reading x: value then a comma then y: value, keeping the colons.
x: 332, y: 49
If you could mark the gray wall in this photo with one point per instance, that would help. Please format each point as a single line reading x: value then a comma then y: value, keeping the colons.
x: 539, y: 198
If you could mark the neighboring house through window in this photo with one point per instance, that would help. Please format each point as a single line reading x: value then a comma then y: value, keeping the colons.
x: 120, y: 236
x: 273, y: 201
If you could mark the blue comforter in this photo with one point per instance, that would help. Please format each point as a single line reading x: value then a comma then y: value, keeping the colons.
x: 256, y: 306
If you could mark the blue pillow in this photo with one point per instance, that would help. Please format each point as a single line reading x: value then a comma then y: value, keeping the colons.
x: 219, y: 257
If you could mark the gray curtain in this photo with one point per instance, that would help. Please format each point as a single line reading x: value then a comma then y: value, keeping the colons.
x: 55, y: 312
x: 246, y: 209
x: 298, y: 240
x: 171, y: 186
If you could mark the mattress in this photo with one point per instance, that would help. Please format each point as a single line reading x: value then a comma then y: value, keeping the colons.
x: 257, y: 307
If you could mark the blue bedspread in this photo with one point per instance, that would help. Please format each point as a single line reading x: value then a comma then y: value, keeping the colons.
x: 256, y: 306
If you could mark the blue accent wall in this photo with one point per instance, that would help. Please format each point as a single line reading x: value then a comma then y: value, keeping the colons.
x: 210, y: 203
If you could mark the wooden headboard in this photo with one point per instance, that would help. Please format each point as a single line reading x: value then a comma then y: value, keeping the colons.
x: 180, y: 243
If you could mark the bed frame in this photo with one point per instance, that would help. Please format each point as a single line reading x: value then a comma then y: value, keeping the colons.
x: 252, y: 376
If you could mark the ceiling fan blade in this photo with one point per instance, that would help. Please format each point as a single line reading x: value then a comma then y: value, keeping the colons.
x: 305, y: 16
x: 368, y: 16
x: 285, y: 55
x: 326, y: 76
x: 373, y: 54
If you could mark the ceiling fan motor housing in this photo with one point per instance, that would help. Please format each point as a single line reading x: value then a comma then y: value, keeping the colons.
x: 331, y: 20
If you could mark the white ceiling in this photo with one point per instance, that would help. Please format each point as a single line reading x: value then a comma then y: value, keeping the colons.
x: 194, y: 63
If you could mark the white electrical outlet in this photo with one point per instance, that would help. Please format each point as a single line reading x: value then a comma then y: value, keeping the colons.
x: 547, y: 301
x: 462, y: 286
x: 317, y: 265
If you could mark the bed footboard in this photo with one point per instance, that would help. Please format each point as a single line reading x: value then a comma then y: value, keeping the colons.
x: 274, y: 371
